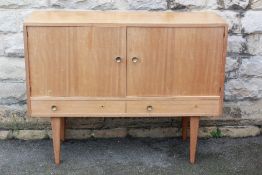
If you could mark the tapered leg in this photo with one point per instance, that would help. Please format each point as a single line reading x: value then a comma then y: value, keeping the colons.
x: 62, y: 129
x: 56, y: 129
x: 184, y: 128
x: 194, y: 125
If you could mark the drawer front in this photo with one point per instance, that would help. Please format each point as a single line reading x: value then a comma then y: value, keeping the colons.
x: 174, y: 108
x: 47, y: 108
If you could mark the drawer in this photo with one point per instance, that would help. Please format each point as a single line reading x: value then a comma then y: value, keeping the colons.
x: 47, y: 108
x: 174, y: 108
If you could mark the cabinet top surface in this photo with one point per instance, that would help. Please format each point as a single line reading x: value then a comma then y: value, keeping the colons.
x: 128, y: 18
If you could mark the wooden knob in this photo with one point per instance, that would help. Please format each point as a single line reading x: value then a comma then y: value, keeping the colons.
x: 54, y: 108
x: 149, y: 108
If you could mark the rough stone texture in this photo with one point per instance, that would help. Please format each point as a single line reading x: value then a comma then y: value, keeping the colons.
x: 85, y: 4
x: 193, y: 4
x: 252, y: 22
x: 110, y: 133
x: 236, y: 4
x: 153, y: 132
x: 243, y: 131
x: 239, y: 89
x: 8, y: 21
x: 12, y: 69
x: 14, y: 45
x: 233, y: 20
x: 236, y: 43
x: 251, y: 67
x: 231, y: 67
x: 30, y: 134
x: 5, y: 134
x: 11, y: 93
x: 254, y: 44
x: 13, y: 4
x: 147, y: 4
x: 256, y: 4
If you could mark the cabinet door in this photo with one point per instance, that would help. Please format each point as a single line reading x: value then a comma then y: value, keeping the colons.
x: 174, y: 61
x: 77, y: 61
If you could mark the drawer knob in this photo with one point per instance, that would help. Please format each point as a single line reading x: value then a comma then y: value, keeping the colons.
x: 118, y: 59
x: 134, y: 59
x: 149, y: 108
x: 54, y: 108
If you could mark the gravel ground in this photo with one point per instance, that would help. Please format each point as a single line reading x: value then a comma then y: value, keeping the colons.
x: 133, y: 156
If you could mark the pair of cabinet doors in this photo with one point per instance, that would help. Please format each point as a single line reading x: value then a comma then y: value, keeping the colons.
x: 120, y: 61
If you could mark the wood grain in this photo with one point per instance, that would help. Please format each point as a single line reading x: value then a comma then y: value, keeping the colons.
x: 120, y: 18
x: 56, y: 134
x: 77, y: 61
x: 76, y: 108
x: 174, y: 61
x: 183, y: 108
x: 194, y: 125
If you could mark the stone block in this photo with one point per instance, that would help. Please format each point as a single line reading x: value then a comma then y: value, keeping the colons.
x: 254, y: 44
x: 233, y: 20
x: 236, y: 43
x: 256, y: 4
x: 154, y: 132
x: 5, y: 134
x: 147, y: 4
x: 240, y: 131
x: 12, y: 93
x: 12, y: 69
x: 251, y: 22
x: 235, y: 4
x: 109, y: 133
x: 14, y: 45
x: 251, y: 67
x: 193, y: 4
x: 88, y: 4
x: 14, y: 4
x: 239, y: 89
x: 30, y: 134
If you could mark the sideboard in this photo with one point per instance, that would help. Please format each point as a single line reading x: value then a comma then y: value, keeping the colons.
x: 124, y: 64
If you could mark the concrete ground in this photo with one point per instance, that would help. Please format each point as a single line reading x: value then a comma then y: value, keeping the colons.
x: 133, y: 156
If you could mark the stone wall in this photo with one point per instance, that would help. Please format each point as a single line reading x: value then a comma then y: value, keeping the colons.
x: 243, y: 86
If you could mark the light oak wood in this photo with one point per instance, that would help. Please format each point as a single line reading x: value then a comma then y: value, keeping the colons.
x: 28, y: 94
x: 119, y: 107
x: 77, y: 61
x: 56, y: 130
x: 177, y: 98
x: 194, y: 125
x: 76, y: 108
x: 177, y: 108
x: 184, y: 127
x: 118, y: 18
x: 173, y: 61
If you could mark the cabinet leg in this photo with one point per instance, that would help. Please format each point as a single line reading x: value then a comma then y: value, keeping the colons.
x: 62, y: 132
x: 184, y: 128
x: 56, y: 130
x: 194, y: 125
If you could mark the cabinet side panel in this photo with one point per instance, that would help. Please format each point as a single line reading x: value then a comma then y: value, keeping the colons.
x: 28, y: 94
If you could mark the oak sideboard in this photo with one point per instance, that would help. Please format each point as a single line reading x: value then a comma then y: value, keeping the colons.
x: 124, y: 64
